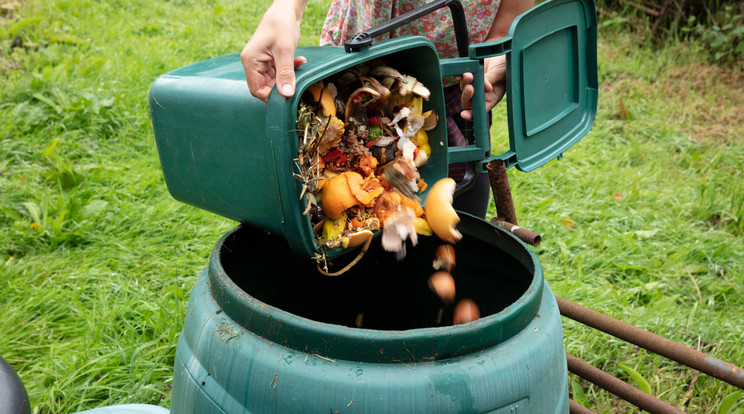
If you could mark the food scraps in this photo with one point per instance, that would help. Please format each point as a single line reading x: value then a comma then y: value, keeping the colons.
x: 443, y: 285
x: 466, y: 311
x: 441, y: 215
x: 363, y: 136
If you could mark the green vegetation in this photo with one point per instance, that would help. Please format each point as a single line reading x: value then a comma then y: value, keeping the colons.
x: 714, y: 27
x: 642, y: 220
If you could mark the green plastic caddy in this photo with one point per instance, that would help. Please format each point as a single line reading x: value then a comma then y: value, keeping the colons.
x: 227, y: 152
x: 265, y: 333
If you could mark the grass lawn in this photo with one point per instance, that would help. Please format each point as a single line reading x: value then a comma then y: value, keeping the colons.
x: 642, y: 220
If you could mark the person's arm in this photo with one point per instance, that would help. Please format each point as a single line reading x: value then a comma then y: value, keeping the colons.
x: 268, y: 57
x: 494, y: 68
x: 508, y: 11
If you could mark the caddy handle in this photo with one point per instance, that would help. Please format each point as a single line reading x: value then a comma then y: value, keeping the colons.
x: 364, y: 39
x: 477, y: 130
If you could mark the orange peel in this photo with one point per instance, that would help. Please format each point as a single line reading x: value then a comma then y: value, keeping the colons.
x: 357, y: 186
x: 356, y: 239
x: 421, y: 184
x: 356, y: 222
x: 326, y: 101
x: 315, y: 92
x: 346, y: 190
x: 322, y: 182
x: 440, y: 214
x: 336, y: 196
x: 414, y: 205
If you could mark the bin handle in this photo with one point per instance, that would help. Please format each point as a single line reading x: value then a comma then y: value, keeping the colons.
x: 364, y: 39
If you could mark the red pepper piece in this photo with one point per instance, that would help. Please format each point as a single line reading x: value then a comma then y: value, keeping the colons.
x: 336, y: 159
x: 332, y: 154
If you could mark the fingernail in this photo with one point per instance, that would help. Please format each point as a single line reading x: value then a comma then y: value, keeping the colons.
x: 287, y: 90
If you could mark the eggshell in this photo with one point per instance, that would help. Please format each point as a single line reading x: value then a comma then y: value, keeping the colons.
x: 445, y: 258
x: 443, y: 285
x: 466, y: 311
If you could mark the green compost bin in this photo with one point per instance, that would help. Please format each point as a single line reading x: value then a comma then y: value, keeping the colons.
x: 227, y: 152
x: 265, y: 333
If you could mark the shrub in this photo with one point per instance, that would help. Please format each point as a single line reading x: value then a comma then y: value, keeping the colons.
x: 716, y: 27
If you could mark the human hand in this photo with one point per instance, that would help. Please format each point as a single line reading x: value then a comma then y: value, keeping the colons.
x: 268, y: 57
x: 494, y: 71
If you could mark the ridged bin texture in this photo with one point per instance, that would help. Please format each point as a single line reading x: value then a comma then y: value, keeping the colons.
x: 239, y: 355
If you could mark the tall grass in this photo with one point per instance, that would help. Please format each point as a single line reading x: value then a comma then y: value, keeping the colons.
x: 641, y: 220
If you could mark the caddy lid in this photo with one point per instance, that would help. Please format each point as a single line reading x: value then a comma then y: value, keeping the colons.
x: 551, y: 79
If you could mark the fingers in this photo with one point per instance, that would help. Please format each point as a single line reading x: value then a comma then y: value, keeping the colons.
x: 465, y: 79
x: 299, y: 61
x: 497, y: 93
x: 268, y: 57
x: 488, y: 85
x: 259, y: 83
x: 263, y: 92
x: 467, y: 100
x: 493, y: 85
x: 285, y: 77
x: 261, y: 74
x: 494, y: 71
x: 258, y: 68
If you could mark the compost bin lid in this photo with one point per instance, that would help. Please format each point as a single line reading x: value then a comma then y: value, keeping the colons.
x: 551, y: 79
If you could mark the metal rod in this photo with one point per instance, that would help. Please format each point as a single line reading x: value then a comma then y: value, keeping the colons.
x: 576, y: 408
x: 619, y: 388
x: 501, y: 192
x: 665, y: 347
x: 523, y: 234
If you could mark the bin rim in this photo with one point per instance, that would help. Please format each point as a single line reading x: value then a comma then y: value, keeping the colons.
x: 372, y: 345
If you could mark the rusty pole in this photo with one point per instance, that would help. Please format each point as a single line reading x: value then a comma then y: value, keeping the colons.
x: 506, y: 217
x: 576, y: 408
x: 620, y: 388
x: 501, y: 192
x: 658, y: 344
x: 523, y: 234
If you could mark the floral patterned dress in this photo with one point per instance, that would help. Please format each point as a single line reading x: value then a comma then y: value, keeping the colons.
x: 349, y: 17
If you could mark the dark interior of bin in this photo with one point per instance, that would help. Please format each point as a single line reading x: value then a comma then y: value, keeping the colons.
x: 391, y: 294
